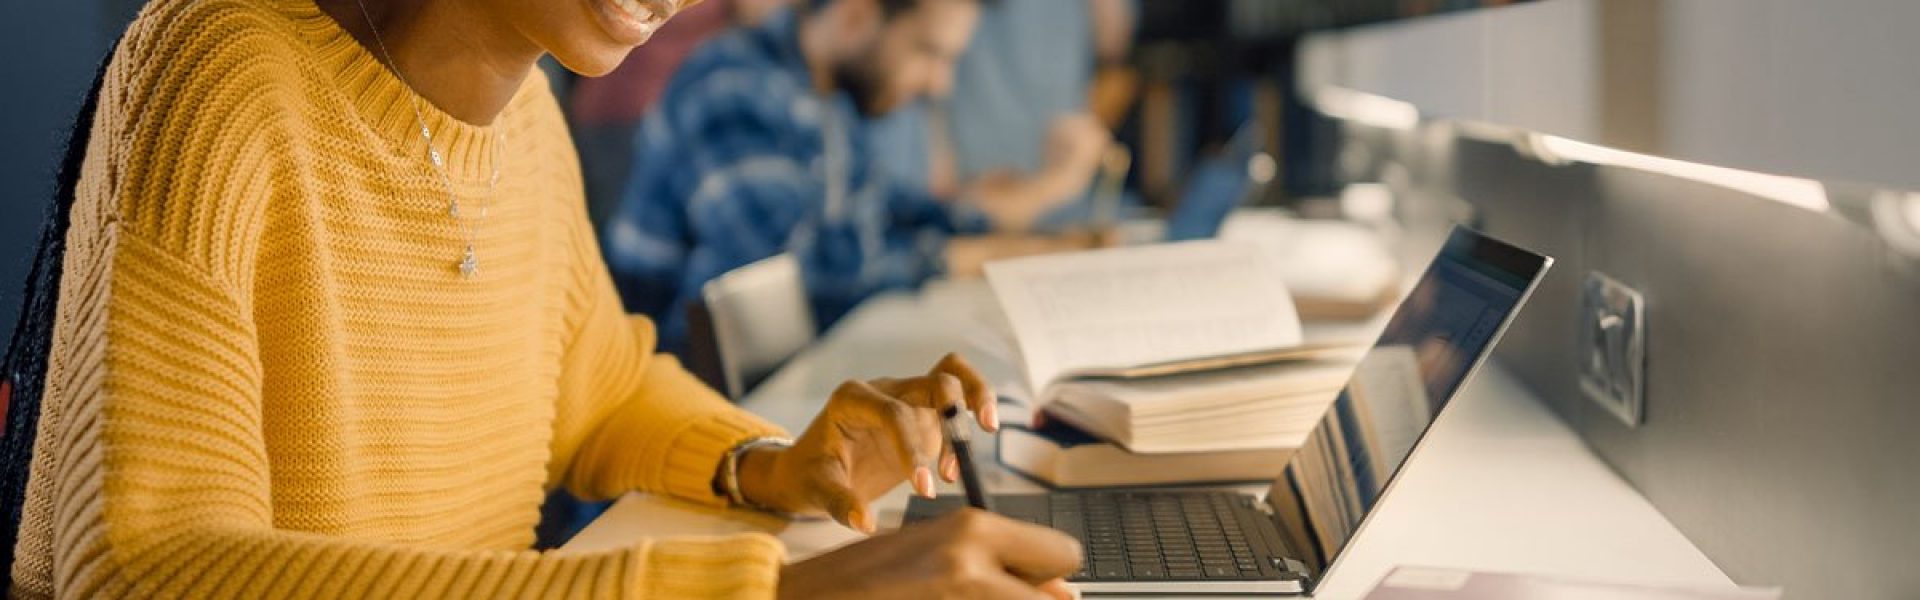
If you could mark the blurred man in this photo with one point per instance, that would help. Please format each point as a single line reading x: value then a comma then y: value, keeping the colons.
x: 1008, y: 113
x: 758, y: 147
x: 604, y: 111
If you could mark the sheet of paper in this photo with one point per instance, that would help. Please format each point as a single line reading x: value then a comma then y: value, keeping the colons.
x: 1130, y: 306
x: 640, y: 515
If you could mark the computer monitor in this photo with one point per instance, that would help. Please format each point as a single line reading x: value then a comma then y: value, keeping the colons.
x: 1444, y: 330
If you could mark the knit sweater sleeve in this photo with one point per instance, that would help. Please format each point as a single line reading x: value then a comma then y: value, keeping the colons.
x: 185, y: 485
x: 630, y: 419
x: 167, y: 488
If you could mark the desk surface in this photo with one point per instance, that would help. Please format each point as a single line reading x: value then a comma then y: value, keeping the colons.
x: 1499, y: 484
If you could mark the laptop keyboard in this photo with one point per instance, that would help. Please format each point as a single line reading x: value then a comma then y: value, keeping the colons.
x: 1149, y: 536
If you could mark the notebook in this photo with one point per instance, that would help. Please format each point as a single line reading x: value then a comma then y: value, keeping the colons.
x: 1425, y: 583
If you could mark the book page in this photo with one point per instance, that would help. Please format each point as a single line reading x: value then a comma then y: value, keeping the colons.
x: 1131, y: 306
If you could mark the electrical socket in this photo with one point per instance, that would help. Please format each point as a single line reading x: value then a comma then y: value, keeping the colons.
x: 1613, y: 347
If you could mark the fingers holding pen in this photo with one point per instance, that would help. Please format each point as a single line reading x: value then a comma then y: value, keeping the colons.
x: 978, y: 394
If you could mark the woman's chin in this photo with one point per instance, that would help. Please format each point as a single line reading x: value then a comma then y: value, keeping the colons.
x: 592, y: 64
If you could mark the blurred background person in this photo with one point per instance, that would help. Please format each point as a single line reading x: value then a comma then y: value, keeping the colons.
x: 603, y: 111
x: 1040, y: 78
x: 758, y: 147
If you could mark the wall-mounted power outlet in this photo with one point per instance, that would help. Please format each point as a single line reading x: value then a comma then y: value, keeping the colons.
x: 1613, y: 347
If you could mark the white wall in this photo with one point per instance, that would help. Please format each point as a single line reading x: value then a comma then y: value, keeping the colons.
x: 1530, y: 65
x: 1827, y: 90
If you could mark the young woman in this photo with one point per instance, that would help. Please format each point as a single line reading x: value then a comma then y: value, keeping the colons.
x: 330, y: 321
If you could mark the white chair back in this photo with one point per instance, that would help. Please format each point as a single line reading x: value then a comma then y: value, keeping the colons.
x: 761, y: 318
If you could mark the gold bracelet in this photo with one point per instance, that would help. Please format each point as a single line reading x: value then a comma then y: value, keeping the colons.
x: 730, y: 470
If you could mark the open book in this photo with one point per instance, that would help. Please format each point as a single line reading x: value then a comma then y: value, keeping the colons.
x: 1172, y: 336
x: 1241, y: 408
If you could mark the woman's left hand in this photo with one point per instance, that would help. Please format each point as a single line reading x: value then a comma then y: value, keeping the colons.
x: 871, y: 436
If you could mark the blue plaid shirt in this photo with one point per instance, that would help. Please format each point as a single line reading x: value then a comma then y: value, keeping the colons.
x: 741, y: 160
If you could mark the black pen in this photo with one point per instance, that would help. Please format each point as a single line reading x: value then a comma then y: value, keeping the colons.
x: 959, y: 432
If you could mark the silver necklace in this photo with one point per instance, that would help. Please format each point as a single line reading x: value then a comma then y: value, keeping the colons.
x: 469, y: 263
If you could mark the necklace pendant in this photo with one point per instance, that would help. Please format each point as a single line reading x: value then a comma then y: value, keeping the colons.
x: 469, y: 263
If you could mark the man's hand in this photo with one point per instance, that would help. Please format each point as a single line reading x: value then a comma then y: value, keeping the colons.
x: 967, y: 554
x: 1075, y: 144
x: 871, y: 436
x: 1013, y: 202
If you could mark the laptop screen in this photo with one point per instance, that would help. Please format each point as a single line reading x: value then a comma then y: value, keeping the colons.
x: 1445, y: 327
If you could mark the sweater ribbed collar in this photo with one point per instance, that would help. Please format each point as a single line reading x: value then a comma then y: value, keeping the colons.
x: 386, y: 104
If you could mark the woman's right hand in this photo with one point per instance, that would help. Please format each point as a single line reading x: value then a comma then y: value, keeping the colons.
x: 967, y: 554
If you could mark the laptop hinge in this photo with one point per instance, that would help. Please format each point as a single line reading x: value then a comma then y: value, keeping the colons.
x: 1290, y: 569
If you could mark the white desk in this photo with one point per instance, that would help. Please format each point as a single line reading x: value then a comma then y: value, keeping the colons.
x: 1499, y: 484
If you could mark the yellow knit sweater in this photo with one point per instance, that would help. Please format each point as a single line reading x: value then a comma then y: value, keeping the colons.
x: 269, y: 380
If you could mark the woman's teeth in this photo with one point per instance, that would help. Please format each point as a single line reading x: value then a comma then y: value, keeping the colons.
x: 643, y: 11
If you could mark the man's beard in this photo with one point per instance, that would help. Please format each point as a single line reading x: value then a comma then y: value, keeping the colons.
x: 860, y: 79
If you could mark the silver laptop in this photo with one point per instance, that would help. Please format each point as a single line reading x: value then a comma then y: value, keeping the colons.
x: 1160, y: 541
